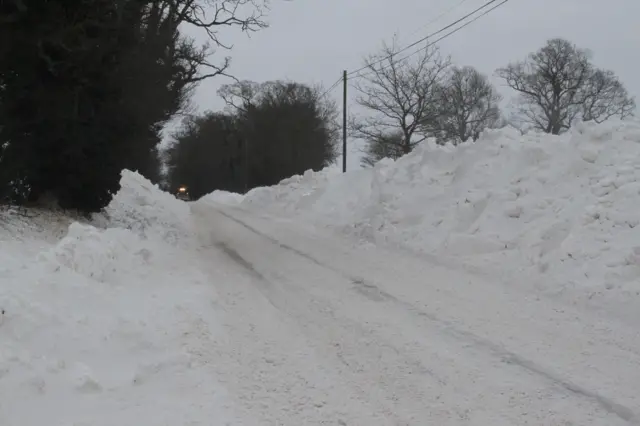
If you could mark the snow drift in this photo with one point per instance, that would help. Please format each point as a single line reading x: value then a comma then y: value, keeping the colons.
x: 561, y: 211
x: 147, y: 211
x: 108, y: 321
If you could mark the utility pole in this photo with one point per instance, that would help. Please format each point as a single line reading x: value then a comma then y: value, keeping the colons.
x: 344, y: 122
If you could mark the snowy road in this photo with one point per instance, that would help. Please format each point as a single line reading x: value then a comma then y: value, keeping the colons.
x: 320, y: 331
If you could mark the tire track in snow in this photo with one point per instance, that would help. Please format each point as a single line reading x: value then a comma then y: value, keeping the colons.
x: 356, y: 331
x: 374, y: 293
x: 344, y: 346
x: 270, y: 367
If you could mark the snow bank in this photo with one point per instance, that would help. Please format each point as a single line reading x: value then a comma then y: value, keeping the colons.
x: 289, y: 194
x: 561, y: 210
x: 224, y: 197
x: 146, y: 210
x: 108, y: 325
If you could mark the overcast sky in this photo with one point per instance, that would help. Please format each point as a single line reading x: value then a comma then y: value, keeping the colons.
x: 312, y: 41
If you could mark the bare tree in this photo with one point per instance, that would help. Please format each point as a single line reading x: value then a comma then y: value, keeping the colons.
x: 382, y: 146
x: 469, y: 105
x: 605, y: 97
x: 558, y: 84
x: 401, y: 94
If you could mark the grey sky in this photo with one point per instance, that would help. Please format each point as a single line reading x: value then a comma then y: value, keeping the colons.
x: 312, y: 41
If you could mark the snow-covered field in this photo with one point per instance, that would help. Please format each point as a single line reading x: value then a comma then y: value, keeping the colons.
x: 561, y: 213
x: 488, y: 284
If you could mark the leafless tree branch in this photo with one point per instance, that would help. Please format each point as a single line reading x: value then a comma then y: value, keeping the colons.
x: 401, y: 95
x: 210, y: 16
x: 605, y: 97
x: 241, y: 95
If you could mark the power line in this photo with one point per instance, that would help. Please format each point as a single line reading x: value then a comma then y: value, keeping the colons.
x: 429, y: 36
x: 429, y: 44
x: 333, y: 86
x: 452, y: 8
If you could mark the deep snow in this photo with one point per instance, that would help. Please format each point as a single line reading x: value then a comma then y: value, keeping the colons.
x: 556, y: 212
x: 315, y: 302
x: 104, y: 326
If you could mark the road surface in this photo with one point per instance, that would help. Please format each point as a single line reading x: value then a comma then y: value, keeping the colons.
x: 321, y: 331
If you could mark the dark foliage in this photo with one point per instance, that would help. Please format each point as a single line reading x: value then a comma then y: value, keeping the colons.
x: 86, y: 87
x: 274, y: 130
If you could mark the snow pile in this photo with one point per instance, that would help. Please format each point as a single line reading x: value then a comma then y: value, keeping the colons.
x: 143, y: 208
x: 562, y: 210
x: 107, y: 326
x: 224, y: 197
x: 290, y: 194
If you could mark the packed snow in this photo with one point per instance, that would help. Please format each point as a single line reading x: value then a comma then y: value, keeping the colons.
x: 556, y: 212
x: 493, y: 283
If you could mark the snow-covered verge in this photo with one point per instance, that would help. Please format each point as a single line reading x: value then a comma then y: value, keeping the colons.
x: 24, y: 233
x: 103, y: 325
x: 559, y: 212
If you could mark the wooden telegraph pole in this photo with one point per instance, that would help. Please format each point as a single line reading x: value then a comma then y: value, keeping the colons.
x: 344, y: 122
